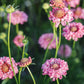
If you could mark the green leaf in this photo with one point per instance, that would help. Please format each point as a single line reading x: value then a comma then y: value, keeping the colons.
x: 5, y: 81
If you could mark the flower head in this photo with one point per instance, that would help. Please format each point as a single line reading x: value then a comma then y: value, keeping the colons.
x: 57, y: 3
x: 72, y: 3
x: 2, y: 35
x: 45, y: 39
x: 78, y: 13
x: 18, y: 17
x: 6, y: 68
x: 73, y: 31
x: 18, y: 40
x: 45, y: 6
x: 5, y: 25
x: 55, y: 68
x: 65, y: 50
x: 62, y: 16
x: 25, y: 62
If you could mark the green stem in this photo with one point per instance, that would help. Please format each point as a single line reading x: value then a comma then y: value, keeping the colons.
x: 73, y: 44
x: 4, y: 40
x: 9, y: 48
x: 59, y: 35
x: 31, y: 75
x: 17, y: 28
x: 21, y: 67
x: 57, y: 81
x: 23, y: 51
x: 69, y: 7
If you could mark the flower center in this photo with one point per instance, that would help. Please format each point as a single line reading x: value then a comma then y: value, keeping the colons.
x: 5, y: 68
x: 68, y: 0
x: 58, y: 1
x: 20, y: 40
x: 59, y: 13
x: 55, y: 66
x: 24, y: 60
x: 78, y: 12
x: 73, y: 29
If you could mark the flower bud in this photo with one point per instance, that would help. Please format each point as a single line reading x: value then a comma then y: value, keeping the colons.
x: 45, y: 6
x: 2, y: 35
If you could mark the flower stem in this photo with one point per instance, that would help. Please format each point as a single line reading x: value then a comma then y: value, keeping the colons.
x: 9, y: 47
x: 59, y: 35
x: 4, y: 40
x: 57, y: 81
x: 73, y: 44
x: 23, y: 51
x: 31, y: 75
x: 17, y: 28
x: 21, y: 67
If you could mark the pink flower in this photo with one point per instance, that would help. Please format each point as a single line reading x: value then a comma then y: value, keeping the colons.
x: 78, y: 13
x: 57, y: 3
x: 45, y: 39
x: 18, y: 40
x: 18, y: 17
x: 72, y: 3
x: 73, y: 31
x: 25, y: 62
x: 62, y: 16
x: 55, y: 68
x: 6, y: 68
x: 65, y: 50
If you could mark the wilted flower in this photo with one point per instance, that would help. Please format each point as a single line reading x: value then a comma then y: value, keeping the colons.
x: 55, y: 68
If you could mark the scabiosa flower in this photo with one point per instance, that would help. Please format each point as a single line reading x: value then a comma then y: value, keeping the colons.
x: 6, y: 68
x: 62, y: 16
x: 72, y: 3
x: 45, y: 39
x: 18, y: 17
x: 18, y: 40
x: 73, y: 31
x: 57, y: 3
x: 65, y: 50
x: 55, y: 68
x: 78, y: 13
x: 25, y: 62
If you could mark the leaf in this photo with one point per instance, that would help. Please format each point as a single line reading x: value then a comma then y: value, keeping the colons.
x: 5, y: 81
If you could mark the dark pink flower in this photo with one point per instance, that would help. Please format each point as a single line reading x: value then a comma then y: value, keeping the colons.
x: 55, y: 68
x: 6, y: 68
x: 73, y: 31
x: 62, y: 16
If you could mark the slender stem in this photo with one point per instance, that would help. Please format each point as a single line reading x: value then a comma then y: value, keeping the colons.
x: 21, y: 67
x: 57, y: 81
x: 31, y: 75
x: 73, y: 44
x: 59, y: 35
x: 9, y: 48
x: 4, y: 40
x: 17, y: 28
x: 47, y: 50
x: 23, y: 51
x: 69, y: 7
x: 19, y: 75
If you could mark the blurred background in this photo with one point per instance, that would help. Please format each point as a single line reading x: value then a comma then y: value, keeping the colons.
x: 37, y: 25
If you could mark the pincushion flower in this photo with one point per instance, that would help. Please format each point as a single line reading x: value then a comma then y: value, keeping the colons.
x: 6, y: 68
x: 55, y: 68
x: 62, y: 16
x: 25, y: 62
x: 78, y: 13
x: 72, y: 3
x: 18, y: 40
x: 57, y: 3
x: 64, y: 50
x: 18, y: 17
x: 45, y: 39
x: 73, y: 31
